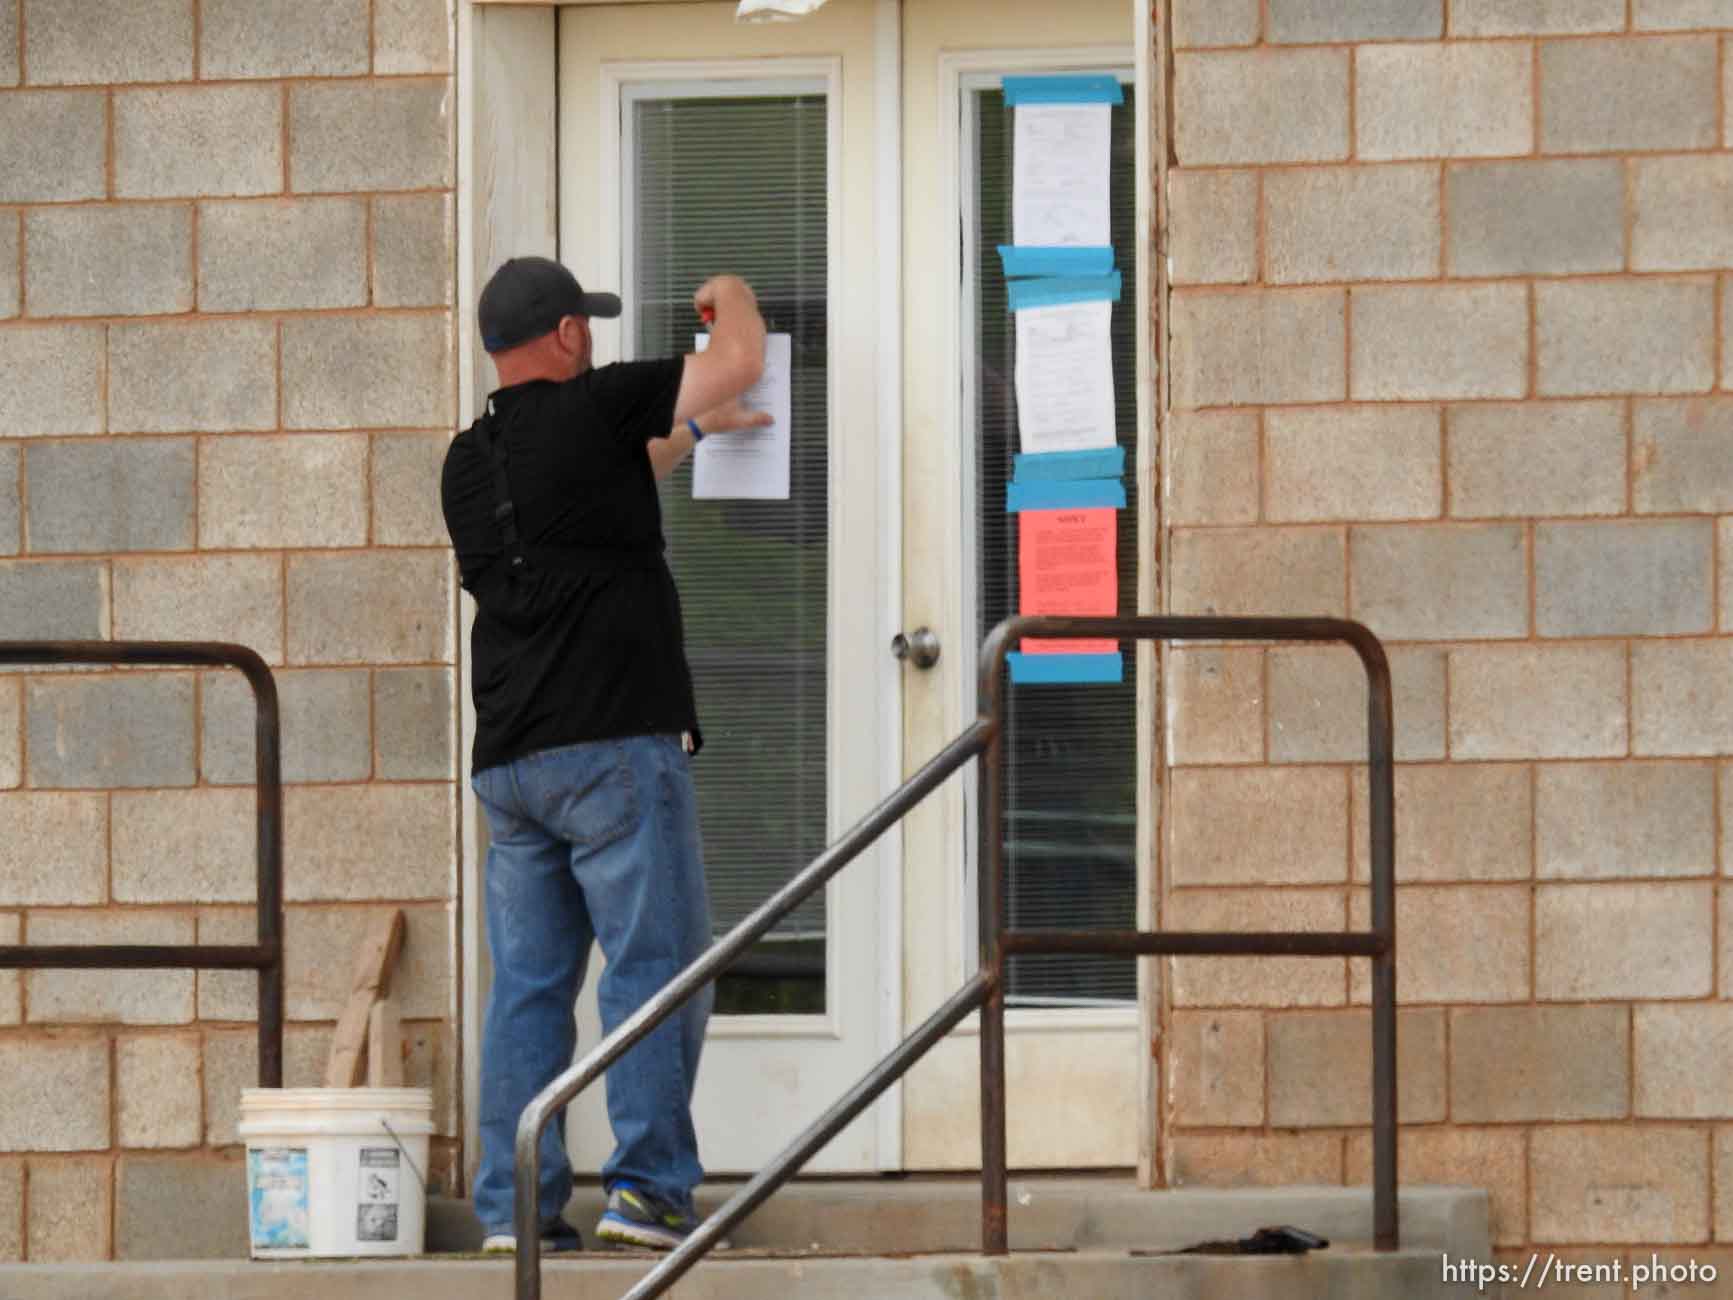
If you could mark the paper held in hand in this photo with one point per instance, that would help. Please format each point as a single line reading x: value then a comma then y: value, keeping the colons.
x: 753, y: 463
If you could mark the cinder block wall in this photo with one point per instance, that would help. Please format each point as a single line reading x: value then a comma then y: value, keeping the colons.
x: 1449, y: 356
x: 225, y: 385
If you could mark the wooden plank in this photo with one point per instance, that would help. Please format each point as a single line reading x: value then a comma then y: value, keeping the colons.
x: 370, y: 983
x: 385, y: 1045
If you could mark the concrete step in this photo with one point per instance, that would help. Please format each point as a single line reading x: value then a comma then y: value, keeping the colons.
x: 1098, y: 1275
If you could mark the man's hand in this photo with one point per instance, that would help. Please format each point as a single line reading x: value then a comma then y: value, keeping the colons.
x: 726, y: 289
x: 733, y: 417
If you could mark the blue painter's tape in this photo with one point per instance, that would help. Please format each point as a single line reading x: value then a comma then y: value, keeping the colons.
x: 1085, y: 88
x: 1063, y: 466
x: 1078, y: 494
x: 1037, y: 670
x: 1035, y: 259
x: 1058, y: 290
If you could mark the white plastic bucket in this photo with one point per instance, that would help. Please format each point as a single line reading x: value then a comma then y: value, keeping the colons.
x: 336, y: 1171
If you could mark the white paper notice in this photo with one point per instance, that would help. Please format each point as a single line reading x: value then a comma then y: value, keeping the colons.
x: 1059, y: 190
x: 1065, y: 377
x: 753, y: 463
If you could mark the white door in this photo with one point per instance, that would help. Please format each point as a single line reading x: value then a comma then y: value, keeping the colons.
x: 690, y: 145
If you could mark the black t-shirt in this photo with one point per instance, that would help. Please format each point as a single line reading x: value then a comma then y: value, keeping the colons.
x: 581, y: 647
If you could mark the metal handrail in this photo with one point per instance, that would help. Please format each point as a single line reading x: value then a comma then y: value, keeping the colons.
x: 265, y: 956
x: 985, y: 991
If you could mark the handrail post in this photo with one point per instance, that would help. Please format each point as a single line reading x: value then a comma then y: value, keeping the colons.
x: 1380, y: 734
x: 995, y: 1228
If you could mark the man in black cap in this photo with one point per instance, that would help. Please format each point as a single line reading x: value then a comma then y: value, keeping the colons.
x: 585, y: 723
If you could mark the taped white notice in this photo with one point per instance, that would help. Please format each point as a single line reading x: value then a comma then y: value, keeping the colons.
x: 752, y: 463
x: 758, y: 11
x: 1059, y: 185
x: 1065, y: 377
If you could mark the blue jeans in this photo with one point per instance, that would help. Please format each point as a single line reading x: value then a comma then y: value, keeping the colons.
x: 591, y: 841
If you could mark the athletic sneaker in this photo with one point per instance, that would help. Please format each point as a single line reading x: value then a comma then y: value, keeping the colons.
x: 558, y: 1237
x: 635, y: 1218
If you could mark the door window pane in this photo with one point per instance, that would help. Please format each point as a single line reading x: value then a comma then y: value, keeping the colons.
x: 739, y: 184
x: 1070, y: 751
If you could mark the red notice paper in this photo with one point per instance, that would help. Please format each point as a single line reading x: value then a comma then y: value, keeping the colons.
x: 1068, y: 563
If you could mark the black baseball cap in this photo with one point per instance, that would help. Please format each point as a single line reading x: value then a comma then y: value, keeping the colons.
x: 529, y: 296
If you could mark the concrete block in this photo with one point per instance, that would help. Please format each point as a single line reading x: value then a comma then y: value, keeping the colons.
x: 53, y: 146
x: 1415, y: 582
x: 1682, y: 1056
x: 370, y: 135
x: 101, y: 732
x: 202, y: 598
x: 1332, y: 224
x: 1321, y: 1068
x: 283, y: 491
x: 11, y: 513
x: 1535, y: 17
x: 1727, y: 308
x: 282, y: 254
x: 69, y: 997
x: 361, y: 372
x: 103, y: 496
x: 1215, y: 705
x: 1541, y: 217
x: 8, y: 77
x: 414, y: 712
x: 414, y: 258
x: 198, y: 141
x: 1545, y: 701
x: 1436, y: 925
x: 1624, y: 819
x: 56, y: 1091
x: 180, y: 1207
x: 1256, y: 1159
x: 1724, y: 536
x: 1452, y: 100
x: 404, y: 473
x: 232, y: 1063
x: 1681, y: 218
x: 184, y: 846
x: 1604, y: 940
x: 157, y: 1108
x: 1259, y: 826
x: 1681, y: 15
x: 1320, y: 21
x: 1318, y: 704
x: 109, y: 260
x: 1522, y: 1064
x: 1213, y: 226
x: 324, y: 714
x: 372, y: 841
x: 59, y: 600
x: 1426, y: 341
x: 11, y: 273
x: 1274, y: 571
x: 1724, y: 897
x: 1535, y: 458
x: 53, y: 848
x: 11, y: 733
x: 1367, y: 462
x: 1624, y: 336
x: 11, y: 1205
x: 1604, y: 1182
x: 1625, y: 578
x: 1493, y: 1158
x: 1255, y: 347
x: 1268, y: 981
x: 1680, y: 454
x: 1215, y: 1068
x: 236, y: 361
x: 1681, y: 697
x: 1262, y: 106
x: 1723, y: 1175
x: 11, y: 1013
x: 50, y: 377
x: 90, y: 42
x: 374, y: 607
x: 283, y: 38
x: 1454, y: 822
x: 1212, y: 462
x: 70, y: 1209
x: 1616, y: 94
x: 411, y: 36
x: 320, y: 943
x: 1214, y: 22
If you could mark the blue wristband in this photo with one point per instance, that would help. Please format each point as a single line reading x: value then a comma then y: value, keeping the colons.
x: 697, y: 433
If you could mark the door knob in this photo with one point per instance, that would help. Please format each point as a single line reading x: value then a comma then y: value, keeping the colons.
x: 920, y: 647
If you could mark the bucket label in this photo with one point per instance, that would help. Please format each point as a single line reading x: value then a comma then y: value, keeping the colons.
x: 277, y: 1195
x: 376, y: 1190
